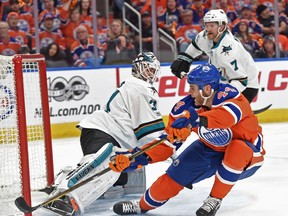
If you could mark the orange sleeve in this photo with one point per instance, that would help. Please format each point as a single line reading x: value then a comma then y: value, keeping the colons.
x: 220, y: 118
x: 160, y: 152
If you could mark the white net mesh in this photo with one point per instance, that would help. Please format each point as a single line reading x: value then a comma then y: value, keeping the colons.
x: 10, y: 168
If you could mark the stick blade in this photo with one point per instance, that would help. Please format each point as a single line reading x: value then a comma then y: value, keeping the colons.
x: 262, y: 110
x: 22, y: 205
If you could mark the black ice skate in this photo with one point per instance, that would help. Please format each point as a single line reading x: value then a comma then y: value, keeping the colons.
x: 127, y: 208
x: 48, y: 190
x: 64, y: 206
x: 210, y: 207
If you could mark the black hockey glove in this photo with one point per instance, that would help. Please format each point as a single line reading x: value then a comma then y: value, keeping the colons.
x: 181, y: 64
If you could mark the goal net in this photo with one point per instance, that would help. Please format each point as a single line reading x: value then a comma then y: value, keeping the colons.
x: 26, y: 162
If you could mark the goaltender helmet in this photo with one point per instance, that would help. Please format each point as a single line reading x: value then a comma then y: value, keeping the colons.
x: 146, y: 67
x: 205, y: 74
x: 217, y: 15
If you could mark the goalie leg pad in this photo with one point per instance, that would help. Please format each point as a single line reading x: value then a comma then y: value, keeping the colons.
x: 91, y: 191
x: 89, y: 162
x: 88, y: 166
x: 63, y: 173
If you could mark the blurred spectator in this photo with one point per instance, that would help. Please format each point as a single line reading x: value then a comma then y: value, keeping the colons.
x: 184, y: 4
x: 145, y: 5
x: 147, y: 44
x: 170, y: 19
x: 118, y: 51
x: 54, y: 56
x: 229, y: 10
x: 8, y: 45
x: 50, y: 8
x: 102, y: 32
x: 253, y: 5
x: 140, y: 5
x: 85, y: 12
x: 268, y: 49
x: 82, y: 50
x: 117, y: 9
x: 255, y: 27
x: 48, y: 33
x: 268, y: 3
x: 283, y: 20
x: 116, y: 28
x: 161, y: 6
x: 248, y: 40
x: 282, y: 39
x: 199, y: 10
x: 283, y: 42
x: 27, y: 6
x: 71, y: 23
x: 3, y: 3
x: 25, y: 19
x: 186, y: 30
x: 14, y: 31
x: 13, y: 6
x: 265, y: 19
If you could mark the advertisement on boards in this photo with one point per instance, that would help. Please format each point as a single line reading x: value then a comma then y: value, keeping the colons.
x: 74, y: 94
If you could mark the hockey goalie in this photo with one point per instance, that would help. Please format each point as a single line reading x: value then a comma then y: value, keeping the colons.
x: 131, y: 119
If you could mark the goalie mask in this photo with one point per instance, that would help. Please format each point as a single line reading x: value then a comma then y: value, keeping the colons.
x: 146, y: 67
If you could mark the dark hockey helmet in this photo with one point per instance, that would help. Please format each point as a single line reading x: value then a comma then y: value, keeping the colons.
x: 146, y: 66
x: 205, y: 74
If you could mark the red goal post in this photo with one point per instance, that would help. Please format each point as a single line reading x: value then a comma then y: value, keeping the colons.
x: 25, y: 135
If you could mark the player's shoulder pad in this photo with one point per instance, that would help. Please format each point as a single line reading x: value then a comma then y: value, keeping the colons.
x: 199, y: 37
x: 182, y: 105
x: 224, y: 93
x: 135, y: 84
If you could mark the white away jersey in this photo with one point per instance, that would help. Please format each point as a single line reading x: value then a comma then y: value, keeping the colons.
x: 228, y: 56
x: 131, y: 115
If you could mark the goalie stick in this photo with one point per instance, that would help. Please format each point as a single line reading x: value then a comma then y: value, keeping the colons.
x: 261, y: 110
x: 23, y: 206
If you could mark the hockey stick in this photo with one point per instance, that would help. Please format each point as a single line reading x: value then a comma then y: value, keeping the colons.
x: 23, y: 206
x: 261, y: 110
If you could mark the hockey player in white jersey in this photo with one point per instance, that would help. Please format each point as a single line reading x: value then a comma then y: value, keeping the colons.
x: 225, y: 52
x: 130, y: 119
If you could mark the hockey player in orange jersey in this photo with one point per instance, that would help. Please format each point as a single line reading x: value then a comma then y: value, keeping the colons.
x: 230, y: 145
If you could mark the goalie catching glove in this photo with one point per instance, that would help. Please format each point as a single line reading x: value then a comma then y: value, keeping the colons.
x: 181, y: 64
x: 180, y: 129
x: 121, y: 162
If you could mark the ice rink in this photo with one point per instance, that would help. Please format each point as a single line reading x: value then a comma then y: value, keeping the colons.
x: 264, y: 194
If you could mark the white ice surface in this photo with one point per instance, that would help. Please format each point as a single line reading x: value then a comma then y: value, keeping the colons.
x: 264, y: 194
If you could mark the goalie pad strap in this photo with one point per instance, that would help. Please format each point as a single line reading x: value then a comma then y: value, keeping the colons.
x: 88, y: 167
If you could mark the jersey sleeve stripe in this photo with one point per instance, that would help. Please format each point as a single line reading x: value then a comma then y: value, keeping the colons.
x: 148, y: 128
x: 234, y: 110
x: 195, y: 45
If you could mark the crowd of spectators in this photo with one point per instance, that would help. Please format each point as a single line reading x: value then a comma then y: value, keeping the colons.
x: 66, y: 30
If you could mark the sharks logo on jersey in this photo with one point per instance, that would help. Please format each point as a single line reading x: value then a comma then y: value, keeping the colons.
x: 226, y: 49
x: 215, y: 136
